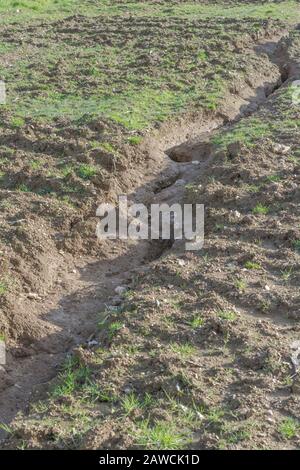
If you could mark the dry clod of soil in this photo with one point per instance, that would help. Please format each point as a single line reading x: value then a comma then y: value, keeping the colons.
x: 281, y: 149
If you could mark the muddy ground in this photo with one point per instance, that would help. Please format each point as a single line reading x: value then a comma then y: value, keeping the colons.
x: 198, y: 352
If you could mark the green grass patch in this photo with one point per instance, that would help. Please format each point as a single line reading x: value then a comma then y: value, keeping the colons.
x: 273, y: 178
x: 161, y: 436
x: 3, y: 288
x: 227, y: 315
x: 92, y: 393
x: 184, y: 350
x: 29, y: 10
x: 252, y: 265
x: 86, y: 172
x: 248, y: 132
x: 114, y: 328
x: 108, y: 147
x: 17, y: 122
x: 241, y: 285
x: 131, y: 403
x: 72, y: 378
x: 130, y: 85
x: 134, y: 140
x: 196, y: 322
x: 260, y: 209
x: 289, y: 428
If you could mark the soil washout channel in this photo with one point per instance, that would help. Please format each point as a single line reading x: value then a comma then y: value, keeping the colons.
x: 85, y: 285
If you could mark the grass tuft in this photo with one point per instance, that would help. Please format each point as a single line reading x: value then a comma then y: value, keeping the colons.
x: 161, y: 436
x: 289, y: 428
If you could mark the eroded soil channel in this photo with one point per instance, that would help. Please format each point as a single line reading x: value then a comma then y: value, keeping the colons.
x: 86, y: 286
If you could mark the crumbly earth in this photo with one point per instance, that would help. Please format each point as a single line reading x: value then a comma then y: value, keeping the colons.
x: 197, y: 352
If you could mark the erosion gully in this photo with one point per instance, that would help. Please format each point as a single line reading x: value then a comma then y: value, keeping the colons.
x: 85, y: 286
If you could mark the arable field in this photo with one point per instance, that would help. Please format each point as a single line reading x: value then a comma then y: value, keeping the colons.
x: 115, y: 344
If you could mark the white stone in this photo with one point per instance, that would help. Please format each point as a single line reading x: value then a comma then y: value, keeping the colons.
x: 281, y: 149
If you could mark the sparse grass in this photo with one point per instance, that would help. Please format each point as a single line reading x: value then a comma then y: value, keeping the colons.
x: 114, y: 328
x: 160, y: 436
x: 160, y: 90
x: 229, y: 432
x: 3, y: 287
x: 202, y: 56
x: 93, y: 393
x: 23, y: 445
x: 148, y: 400
x: 296, y: 245
x: 47, y: 9
x: 293, y: 159
x: 188, y: 417
x: 219, y: 227
x: 247, y: 132
x: 289, y: 428
x: 67, y: 170
x: 35, y: 164
x: 252, y: 265
x: 227, y: 315
x: 252, y: 188
x: 287, y: 381
x: 6, y: 428
x: 260, y: 209
x: 286, y: 274
x: 265, y: 306
x: 274, y: 178
x: 215, y: 415
x: 131, y: 349
x: 108, y: 147
x: 73, y: 377
x: 196, y: 322
x: 234, y: 435
x: 241, y: 285
x: 184, y: 350
x: 135, y: 140
x: 86, y: 172
x: 23, y: 188
x: 131, y: 403
x: 17, y: 122
x: 40, y: 407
